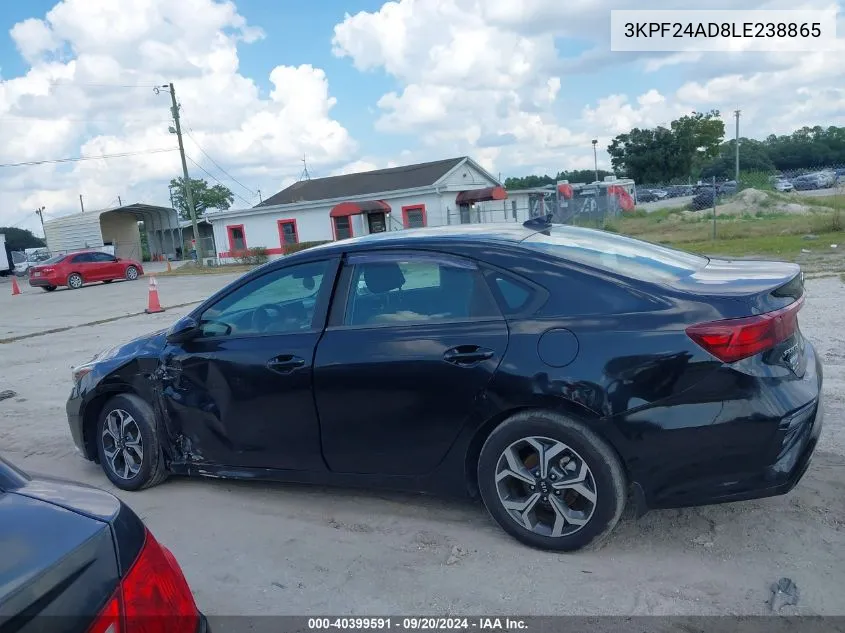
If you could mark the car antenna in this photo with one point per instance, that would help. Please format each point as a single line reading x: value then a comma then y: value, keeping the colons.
x: 540, y: 222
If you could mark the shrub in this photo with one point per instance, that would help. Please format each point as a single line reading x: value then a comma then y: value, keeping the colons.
x: 301, y: 246
x: 252, y: 256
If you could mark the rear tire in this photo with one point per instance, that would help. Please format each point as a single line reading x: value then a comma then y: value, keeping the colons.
x: 562, y: 517
x: 75, y: 281
x: 128, y: 444
x: 48, y: 288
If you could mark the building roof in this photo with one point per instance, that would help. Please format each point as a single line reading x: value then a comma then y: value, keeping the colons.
x: 363, y: 183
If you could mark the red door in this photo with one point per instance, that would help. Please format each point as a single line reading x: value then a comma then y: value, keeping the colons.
x: 104, y: 266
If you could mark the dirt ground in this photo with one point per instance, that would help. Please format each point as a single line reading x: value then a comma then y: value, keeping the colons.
x: 254, y: 549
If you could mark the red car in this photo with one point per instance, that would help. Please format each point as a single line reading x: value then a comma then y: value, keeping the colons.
x: 82, y: 267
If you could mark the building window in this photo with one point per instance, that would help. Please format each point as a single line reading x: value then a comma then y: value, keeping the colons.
x: 288, y: 234
x: 413, y: 217
x: 513, y: 208
x: 237, y: 238
x: 342, y: 227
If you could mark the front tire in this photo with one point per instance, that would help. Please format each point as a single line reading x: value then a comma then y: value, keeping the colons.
x: 131, y: 273
x: 128, y: 445
x: 551, y: 482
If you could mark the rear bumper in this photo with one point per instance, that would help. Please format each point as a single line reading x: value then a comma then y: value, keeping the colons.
x: 758, y: 444
x: 42, y: 282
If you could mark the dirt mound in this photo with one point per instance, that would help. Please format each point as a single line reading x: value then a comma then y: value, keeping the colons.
x: 752, y: 201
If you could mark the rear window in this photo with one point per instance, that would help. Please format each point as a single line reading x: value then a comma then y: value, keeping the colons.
x: 616, y: 253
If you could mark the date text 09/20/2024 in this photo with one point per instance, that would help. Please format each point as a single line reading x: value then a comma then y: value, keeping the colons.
x: 418, y: 624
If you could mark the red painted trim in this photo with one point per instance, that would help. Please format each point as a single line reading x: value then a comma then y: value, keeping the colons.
x: 334, y: 227
x: 280, y: 224
x: 229, y: 230
x: 413, y: 207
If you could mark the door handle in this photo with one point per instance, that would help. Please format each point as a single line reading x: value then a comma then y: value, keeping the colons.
x: 467, y: 354
x: 285, y: 364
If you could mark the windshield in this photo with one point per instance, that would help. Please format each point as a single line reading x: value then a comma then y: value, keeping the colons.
x: 615, y: 253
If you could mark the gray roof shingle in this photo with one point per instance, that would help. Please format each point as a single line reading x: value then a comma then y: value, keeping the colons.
x: 406, y: 177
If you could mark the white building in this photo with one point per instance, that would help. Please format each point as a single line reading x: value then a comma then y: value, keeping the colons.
x: 453, y: 191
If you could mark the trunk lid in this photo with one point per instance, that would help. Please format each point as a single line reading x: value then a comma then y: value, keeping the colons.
x: 749, y: 286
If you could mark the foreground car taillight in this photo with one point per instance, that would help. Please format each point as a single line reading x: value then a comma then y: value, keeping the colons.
x: 153, y: 597
x: 734, y: 339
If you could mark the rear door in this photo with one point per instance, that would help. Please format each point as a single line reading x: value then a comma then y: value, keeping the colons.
x: 82, y: 264
x: 413, y: 340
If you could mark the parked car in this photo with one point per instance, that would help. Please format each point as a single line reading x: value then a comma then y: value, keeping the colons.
x: 661, y: 194
x: 646, y: 195
x: 781, y: 184
x: 30, y: 257
x: 549, y: 369
x: 77, y: 559
x: 808, y: 182
x: 728, y: 188
x: 704, y: 198
x: 680, y: 191
x: 76, y: 269
x: 840, y: 176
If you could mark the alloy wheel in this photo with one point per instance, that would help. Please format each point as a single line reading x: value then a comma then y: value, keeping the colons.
x: 122, y: 444
x: 546, y: 486
x: 132, y: 273
x: 75, y: 281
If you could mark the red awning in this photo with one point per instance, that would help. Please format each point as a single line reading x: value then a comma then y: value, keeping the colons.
x: 481, y: 195
x: 355, y: 208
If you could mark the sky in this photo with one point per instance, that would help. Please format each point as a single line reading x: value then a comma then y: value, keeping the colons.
x: 522, y: 87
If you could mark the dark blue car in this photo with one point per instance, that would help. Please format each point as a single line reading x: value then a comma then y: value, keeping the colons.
x: 556, y: 372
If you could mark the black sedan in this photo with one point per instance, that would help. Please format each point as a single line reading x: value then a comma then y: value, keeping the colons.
x: 75, y: 559
x: 555, y: 371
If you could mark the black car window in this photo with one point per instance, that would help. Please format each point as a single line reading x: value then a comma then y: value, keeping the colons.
x: 278, y: 302
x: 616, y: 253
x: 513, y: 295
x: 409, y: 289
x: 82, y: 258
x: 101, y: 257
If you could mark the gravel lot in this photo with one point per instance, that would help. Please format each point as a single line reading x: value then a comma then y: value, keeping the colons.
x: 282, y: 549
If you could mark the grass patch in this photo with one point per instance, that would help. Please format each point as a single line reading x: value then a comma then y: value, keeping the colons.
x: 787, y: 247
x: 190, y: 269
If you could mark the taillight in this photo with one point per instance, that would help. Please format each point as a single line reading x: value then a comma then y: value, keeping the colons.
x: 734, y: 339
x: 153, y: 597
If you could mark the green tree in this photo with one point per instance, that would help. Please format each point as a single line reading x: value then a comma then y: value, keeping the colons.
x: 753, y: 157
x: 205, y: 197
x: 663, y: 155
x: 19, y: 239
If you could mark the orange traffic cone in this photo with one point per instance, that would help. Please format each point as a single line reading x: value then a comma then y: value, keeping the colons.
x: 153, y: 303
x: 15, y: 288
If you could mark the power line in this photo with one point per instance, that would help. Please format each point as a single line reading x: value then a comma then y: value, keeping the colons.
x: 101, y: 85
x: 76, y: 159
x: 75, y: 120
x: 218, y: 166
x: 210, y: 175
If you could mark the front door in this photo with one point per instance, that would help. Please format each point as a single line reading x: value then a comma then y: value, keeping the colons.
x: 406, y: 355
x: 376, y: 222
x: 240, y: 394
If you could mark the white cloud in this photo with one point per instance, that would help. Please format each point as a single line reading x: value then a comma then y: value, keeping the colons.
x: 69, y: 103
x: 484, y: 77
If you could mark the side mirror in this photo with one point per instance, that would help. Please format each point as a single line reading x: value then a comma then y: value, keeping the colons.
x: 183, y: 330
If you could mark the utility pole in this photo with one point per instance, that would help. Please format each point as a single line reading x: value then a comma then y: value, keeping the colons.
x: 40, y: 214
x: 189, y: 196
x: 736, y: 114
x: 119, y: 202
x: 260, y: 199
x: 81, y: 206
x: 595, y: 159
